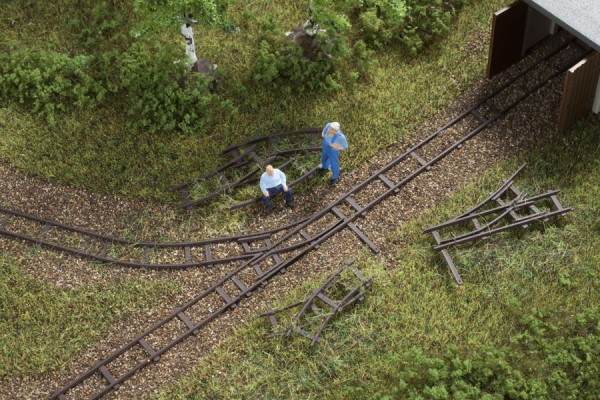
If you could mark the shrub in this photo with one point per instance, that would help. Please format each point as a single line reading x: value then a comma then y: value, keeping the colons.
x: 148, y: 77
x: 555, y: 362
x: 284, y: 64
x: 102, y: 33
x: 415, y: 23
x: 47, y: 82
x: 134, y: 74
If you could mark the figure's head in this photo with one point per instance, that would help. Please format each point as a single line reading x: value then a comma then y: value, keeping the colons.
x: 334, y: 127
x: 269, y: 169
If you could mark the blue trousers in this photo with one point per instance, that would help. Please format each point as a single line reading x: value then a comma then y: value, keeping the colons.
x: 330, y: 157
x: 276, y: 190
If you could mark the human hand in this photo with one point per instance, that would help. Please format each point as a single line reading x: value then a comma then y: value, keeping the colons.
x: 285, y: 188
x: 266, y: 194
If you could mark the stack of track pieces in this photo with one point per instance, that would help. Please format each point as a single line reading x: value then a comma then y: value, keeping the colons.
x: 245, y: 165
x: 517, y: 208
x: 321, y: 297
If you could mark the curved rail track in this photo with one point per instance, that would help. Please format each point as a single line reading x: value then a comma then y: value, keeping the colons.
x: 108, y: 249
x: 293, y: 242
x: 243, y: 157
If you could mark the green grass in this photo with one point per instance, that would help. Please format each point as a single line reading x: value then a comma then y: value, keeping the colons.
x: 525, y: 324
x: 93, y: 148
x: 43, y: 327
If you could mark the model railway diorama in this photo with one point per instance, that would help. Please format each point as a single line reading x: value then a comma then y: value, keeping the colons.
x: 258, y: 257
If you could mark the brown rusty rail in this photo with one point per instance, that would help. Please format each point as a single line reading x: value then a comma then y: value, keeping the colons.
x: 322, y: 296
x: 510, y: 209
x: 108, y: 249
x: 242, y: 156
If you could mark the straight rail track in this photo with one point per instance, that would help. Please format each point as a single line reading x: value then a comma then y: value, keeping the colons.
x: 513, y: 208
x: 192, y: 318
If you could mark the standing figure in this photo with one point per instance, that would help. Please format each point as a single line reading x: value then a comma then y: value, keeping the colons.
x: 333, y: 142
x: 272, y: 182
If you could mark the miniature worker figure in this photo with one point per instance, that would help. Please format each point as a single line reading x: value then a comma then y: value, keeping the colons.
x: 333, y: 142
x: 272, y: 182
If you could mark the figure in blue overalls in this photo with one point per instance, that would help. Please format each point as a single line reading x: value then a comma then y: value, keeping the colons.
x: 333, y: 141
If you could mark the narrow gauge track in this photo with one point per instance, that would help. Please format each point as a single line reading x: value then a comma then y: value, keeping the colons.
x: 306, y: 175
x: 193, y: 317
x: 108, y: 249
x: 513, y: 206
x: 243, y: 156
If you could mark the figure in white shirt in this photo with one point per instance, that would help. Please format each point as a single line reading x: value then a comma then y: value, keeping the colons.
x: 272, y: 182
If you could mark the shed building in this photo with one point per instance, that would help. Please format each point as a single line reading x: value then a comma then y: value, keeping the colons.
x: 515, y: 29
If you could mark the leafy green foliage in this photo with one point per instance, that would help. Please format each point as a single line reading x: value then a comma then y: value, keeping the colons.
x: 148, y: 78
x: 160, y: 14
x: 102, y: 33
x: 284, y: 66
x: 329, y: 14
x: 363, y: 58
x: 47, y: 82
x: 415, y: 23
x: 113, y: 65
x: 99, y: 29
x: 562, y: 364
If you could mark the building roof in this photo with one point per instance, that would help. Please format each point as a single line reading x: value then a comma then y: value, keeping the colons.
x: 580, y: 17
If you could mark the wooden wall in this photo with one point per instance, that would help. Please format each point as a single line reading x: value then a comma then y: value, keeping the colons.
x: 579, y: 92
x: 508, y: 35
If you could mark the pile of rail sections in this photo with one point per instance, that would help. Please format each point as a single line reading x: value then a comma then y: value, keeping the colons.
x: 246, y: 164
x: 321, y: 305
x: 505, y: 209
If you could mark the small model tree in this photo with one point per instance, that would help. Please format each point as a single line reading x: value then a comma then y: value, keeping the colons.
x: 166, y: 14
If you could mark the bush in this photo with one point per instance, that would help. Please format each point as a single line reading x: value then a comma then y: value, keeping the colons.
x: 136, y: 75
x: 555, y: 362
x: 284, y: 64
x: 102, y: 32
x: 415, y: 23
x: 285, y: 67
x: 148, y: 77
x: 47, y: 82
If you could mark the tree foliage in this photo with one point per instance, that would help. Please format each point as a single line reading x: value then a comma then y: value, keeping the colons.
x: 283, y: 64
x: 362, y: 25
x: 47, y: 82
x: 160, y: 14
x: 112, y: 65
x: 415, y: 23
x: 156, y: 102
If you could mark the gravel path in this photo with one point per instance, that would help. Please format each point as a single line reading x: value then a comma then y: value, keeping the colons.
x: 531, y: 123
